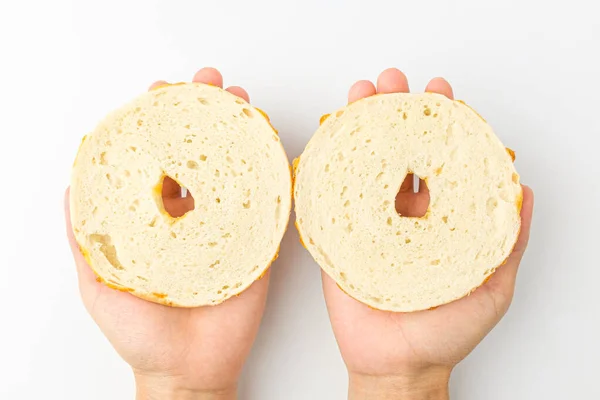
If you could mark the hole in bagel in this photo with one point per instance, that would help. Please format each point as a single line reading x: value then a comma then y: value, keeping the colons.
x: 177, y: 200
x: 412, y: 200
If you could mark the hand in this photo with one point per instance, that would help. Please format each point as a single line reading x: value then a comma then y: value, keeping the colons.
x: 410, y: 355
x: 176, y: 353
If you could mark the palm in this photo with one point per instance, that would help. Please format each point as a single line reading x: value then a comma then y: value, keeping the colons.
x: 443, y: 336
x: 178, y: 342
x: 383, y: 343
x: 157, y: 339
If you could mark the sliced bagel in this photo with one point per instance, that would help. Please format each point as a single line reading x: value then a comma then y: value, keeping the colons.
x: 229, y: 158
x: 347, y: 179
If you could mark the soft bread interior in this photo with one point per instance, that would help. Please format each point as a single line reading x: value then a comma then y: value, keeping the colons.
x: 347, y: 180
x: 225, y: 153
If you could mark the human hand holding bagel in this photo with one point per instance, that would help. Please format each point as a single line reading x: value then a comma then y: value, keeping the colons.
x: 411, y: 355
x: 176, y: 353
x: 199, y: 352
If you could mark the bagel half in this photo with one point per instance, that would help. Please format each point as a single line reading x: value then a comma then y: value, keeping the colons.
x: 347, y: 179
x: 230, y: 159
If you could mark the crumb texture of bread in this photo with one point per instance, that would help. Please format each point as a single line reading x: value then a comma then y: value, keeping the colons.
x: 227, y: 155
x: 346, y: 184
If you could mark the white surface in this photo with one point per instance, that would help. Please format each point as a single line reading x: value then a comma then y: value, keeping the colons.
x: 530, y: 67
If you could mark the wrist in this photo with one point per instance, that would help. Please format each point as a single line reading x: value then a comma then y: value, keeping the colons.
x: 430, y: 384
x: 160, y: 387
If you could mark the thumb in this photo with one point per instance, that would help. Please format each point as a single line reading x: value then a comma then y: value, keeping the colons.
x: 503, y: 280
x: 88, y: 285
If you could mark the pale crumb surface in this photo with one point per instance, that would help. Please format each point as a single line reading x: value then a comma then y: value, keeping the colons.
x: 345, y: 188
x: 229, y: 158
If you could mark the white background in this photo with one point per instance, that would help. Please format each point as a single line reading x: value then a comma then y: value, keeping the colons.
x: 530, y: 67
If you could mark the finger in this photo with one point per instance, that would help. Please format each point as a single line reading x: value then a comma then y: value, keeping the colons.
x: 408, y: 184
x: 157, y: 84
x: 503, y: 280
x: 392, y: 80
x: 360, y: 90
x: 177, y: 207
x: 441, y: 86
x: 526, y: 217
x: 209, y: 76
x: 239, y: 92
x: 170, y: 188
x: 86, y: 276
